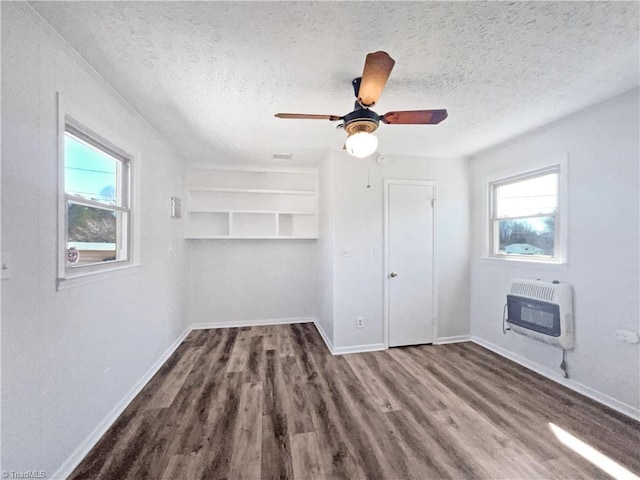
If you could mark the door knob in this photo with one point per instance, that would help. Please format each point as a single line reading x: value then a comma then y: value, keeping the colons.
x: 393, y: 274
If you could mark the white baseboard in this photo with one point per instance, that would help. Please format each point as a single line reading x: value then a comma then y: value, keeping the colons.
x: 90, y: 441
x: 600, y: 397
x: 344, y: 350
x: 324, y: 336
x: 373, y: 347
x: 454, y: 339
x: 252, y: 323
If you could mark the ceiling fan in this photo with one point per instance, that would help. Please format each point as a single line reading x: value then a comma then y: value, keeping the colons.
x: 360, y: 123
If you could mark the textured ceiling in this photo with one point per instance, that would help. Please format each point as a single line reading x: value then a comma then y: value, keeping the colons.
x: 210, y: 75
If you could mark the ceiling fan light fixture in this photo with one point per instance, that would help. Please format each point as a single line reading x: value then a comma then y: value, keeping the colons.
x: 361, y: 144
x: 362, y: 121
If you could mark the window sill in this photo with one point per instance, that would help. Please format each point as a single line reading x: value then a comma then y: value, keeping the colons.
x: 96, y: 276
x: 526, y: 262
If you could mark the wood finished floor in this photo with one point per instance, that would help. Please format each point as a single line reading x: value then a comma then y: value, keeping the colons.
x: 271, y: 402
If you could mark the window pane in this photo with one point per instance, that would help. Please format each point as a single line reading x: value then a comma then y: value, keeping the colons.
x: 88, y: 172
x: 533, y: 196
x: 93, y: 235
x: 527, y: 236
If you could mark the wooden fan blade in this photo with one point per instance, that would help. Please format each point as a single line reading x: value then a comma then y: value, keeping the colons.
x: 377, y: 69
x: 304, y: 116
x: 415, y: 117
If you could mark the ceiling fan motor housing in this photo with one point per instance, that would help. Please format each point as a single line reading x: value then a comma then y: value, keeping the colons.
x: 361, y: 120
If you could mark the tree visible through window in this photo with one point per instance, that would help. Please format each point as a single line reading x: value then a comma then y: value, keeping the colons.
x: 96, y: 182
x: 524, y: 215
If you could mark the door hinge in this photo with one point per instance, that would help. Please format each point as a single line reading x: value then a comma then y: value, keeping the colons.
x: 433, y: 202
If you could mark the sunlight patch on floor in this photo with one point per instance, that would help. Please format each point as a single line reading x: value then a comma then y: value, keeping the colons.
x: 589, y: 453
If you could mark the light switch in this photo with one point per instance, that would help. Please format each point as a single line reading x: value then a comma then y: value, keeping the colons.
x: 346, y: 252
x: 377, y: 251
x: 176, y: 207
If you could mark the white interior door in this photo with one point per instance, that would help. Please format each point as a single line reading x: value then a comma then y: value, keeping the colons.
x: 409, y: 253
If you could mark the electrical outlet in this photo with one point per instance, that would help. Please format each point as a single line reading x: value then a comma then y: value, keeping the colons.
x: 359, y: 322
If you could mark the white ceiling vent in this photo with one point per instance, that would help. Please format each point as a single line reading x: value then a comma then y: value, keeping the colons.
x: 282, y: 156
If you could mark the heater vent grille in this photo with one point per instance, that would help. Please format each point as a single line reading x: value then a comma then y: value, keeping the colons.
x: 533, y: 290
x: 542, y: 310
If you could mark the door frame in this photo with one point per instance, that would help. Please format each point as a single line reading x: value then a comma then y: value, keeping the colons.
x: 434, y: 306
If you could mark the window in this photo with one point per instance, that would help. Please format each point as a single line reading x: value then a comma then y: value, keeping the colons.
x: 96, y: 207
x: 525, y: 216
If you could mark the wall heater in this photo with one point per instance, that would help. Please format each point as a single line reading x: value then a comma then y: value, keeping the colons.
x: 542, y: 310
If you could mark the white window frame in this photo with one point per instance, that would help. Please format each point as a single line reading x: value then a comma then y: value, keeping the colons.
x: 68, y: 276
x: 560, y: 228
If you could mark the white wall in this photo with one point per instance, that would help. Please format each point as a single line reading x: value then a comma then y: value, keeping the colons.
x: 602, y: 147
x: 69, y: 357
x: 326, y: 247
x: 359, y: 226
x: 251, y: 280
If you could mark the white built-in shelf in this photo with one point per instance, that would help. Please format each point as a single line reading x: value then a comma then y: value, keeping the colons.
x: 252, y: 190
x: 252, y: 203
x: 249, y: 211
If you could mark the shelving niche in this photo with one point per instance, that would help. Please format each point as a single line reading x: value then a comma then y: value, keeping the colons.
x: 251, y: 203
